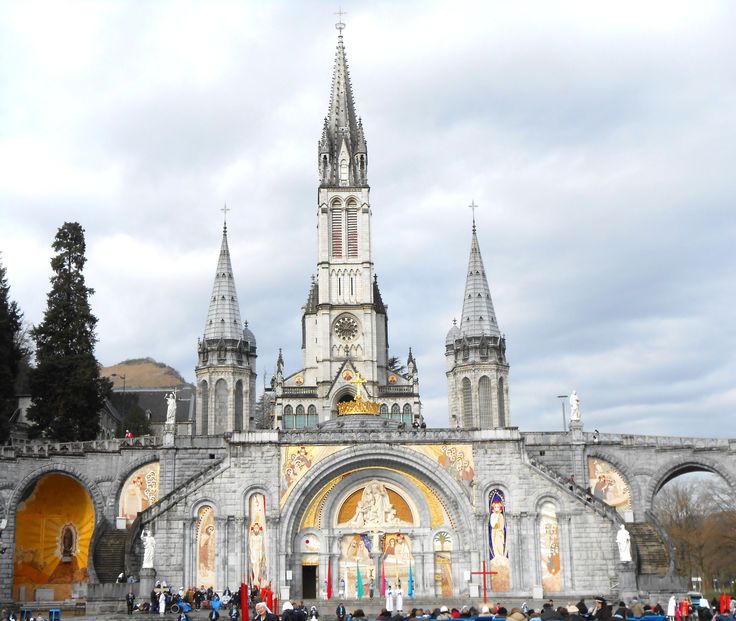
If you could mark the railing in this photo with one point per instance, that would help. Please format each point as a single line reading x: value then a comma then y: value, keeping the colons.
x: 176, y: 495
x: 44, y: 448
x: 582, y: 493
x: 300, y: 391
x: 395, y: 391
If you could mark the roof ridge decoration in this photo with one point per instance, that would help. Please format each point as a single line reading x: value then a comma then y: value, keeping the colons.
x: 223, y: 316
x: 479, y: 316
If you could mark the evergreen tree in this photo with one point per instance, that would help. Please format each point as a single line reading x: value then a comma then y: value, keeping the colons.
x: 12, y: 354
x: 66, y: 388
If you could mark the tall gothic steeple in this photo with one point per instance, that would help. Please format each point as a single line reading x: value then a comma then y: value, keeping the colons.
x: 344, y: 322
x: 226, y: 365
x: 343, y: 153
x: 477, y: 371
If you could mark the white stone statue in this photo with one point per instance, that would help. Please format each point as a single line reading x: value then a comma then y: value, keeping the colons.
x: 374, y: 508
x: 574, y: 406
x: 623, y: 539
x: 149, y: 546
x: 171, y: 409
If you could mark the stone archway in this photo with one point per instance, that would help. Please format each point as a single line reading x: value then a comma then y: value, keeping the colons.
x: 677, y: 467
x: 344, y: 474
x: 54, y: 523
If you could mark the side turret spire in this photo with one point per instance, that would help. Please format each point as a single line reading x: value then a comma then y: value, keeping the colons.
x: 223, y: 317
x: 479, y: 316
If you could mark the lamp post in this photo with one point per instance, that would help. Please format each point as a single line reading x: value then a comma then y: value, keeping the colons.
x: 122, y: 377
x: 562, y: 403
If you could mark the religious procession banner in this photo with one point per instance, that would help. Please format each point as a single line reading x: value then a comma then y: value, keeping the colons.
x: 296, y: 461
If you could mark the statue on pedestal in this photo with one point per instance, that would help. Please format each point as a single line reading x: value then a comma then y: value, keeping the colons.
x: 623, y: 540
x: 574, y: 406
x: 149, y: 546
x: 171, y: 409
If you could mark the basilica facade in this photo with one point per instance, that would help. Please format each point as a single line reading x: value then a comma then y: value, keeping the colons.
x: 338, y: 484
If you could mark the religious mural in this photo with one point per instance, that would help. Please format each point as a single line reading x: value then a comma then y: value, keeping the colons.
x: 397, y: 559
x: 296, y: 462
x: 455, y: 459
x: 497, y: 541
x: 607, y: 483
x: 139, y: 492
x: 310, y: 549
x: 356, y: 566
x: 443, y: 582
x: 375, y: 506
x: 54, y: 525
x: 206, y: 547
x: 549, y: 541
x: 258, y: 570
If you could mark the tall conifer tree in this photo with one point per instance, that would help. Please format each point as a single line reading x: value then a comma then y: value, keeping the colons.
x: 12, y: 353
x: 66, y: 388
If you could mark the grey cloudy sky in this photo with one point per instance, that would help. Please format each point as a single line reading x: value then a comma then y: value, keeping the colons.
x: 598, y: 139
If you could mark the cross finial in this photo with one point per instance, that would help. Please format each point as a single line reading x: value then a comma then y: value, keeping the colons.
x: 340, y: 25
x: 473, y: 207
x: 224, y: 210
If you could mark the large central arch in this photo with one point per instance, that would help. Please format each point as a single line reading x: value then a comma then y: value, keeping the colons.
x: 397, y: 468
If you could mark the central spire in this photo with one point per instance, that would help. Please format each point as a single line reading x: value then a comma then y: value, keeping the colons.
x: 343, y: 156
x: 223, y: 317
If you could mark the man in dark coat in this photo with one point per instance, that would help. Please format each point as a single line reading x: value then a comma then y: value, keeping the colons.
x: 130, y: 602
x: 341, y: 612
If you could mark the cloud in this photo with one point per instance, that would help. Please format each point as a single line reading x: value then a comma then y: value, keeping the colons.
x: 598, y: 141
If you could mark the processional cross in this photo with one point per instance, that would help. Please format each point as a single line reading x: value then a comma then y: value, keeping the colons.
x: 484, y: 573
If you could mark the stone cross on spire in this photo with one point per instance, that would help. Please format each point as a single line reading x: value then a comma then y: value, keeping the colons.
x: 340, y: 25
x: 473, y: 207
x: 224, y: 211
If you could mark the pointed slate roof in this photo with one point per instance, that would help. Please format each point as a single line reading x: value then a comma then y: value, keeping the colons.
x: 342, y: 128
x: 479, y: 317
x: 223, y: 317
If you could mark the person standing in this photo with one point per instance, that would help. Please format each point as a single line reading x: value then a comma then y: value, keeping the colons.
x: 162, y: 603
x: 389, y: 599
x: 341, y: 612
x: 371, y: 588
x: 130, y: 601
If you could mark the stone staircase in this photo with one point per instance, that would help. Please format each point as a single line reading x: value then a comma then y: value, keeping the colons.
x: 109, y: 555
x: 581, y: 493
x: 180, y: 492
x: 651, y: 549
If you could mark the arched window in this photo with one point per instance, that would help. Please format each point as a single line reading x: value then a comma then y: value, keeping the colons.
x: 239, y: 405
x: 205, y: 405
x: 336, y: 217
x: 299, y: 421
x: 501, y: 403
x: 352, y: 226
x: 484, y: 402
x: 288, y: 417
x: 344, y: 171
x: 406, y: 416
x: 312, y: 416
x: 395, y: 412
x: 384, y: 410
x: 220, y: 406
x: 467, y: 403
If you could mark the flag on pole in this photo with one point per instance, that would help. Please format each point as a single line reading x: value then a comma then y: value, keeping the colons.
x: 359, y: 588
x: 410, y: 589
x: 329, y: 581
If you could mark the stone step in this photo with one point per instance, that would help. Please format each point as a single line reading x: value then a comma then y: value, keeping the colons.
x: 109, y: 555
x: 654, y: 557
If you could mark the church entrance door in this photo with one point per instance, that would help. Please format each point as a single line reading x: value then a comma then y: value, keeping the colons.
x: 309, y: 581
